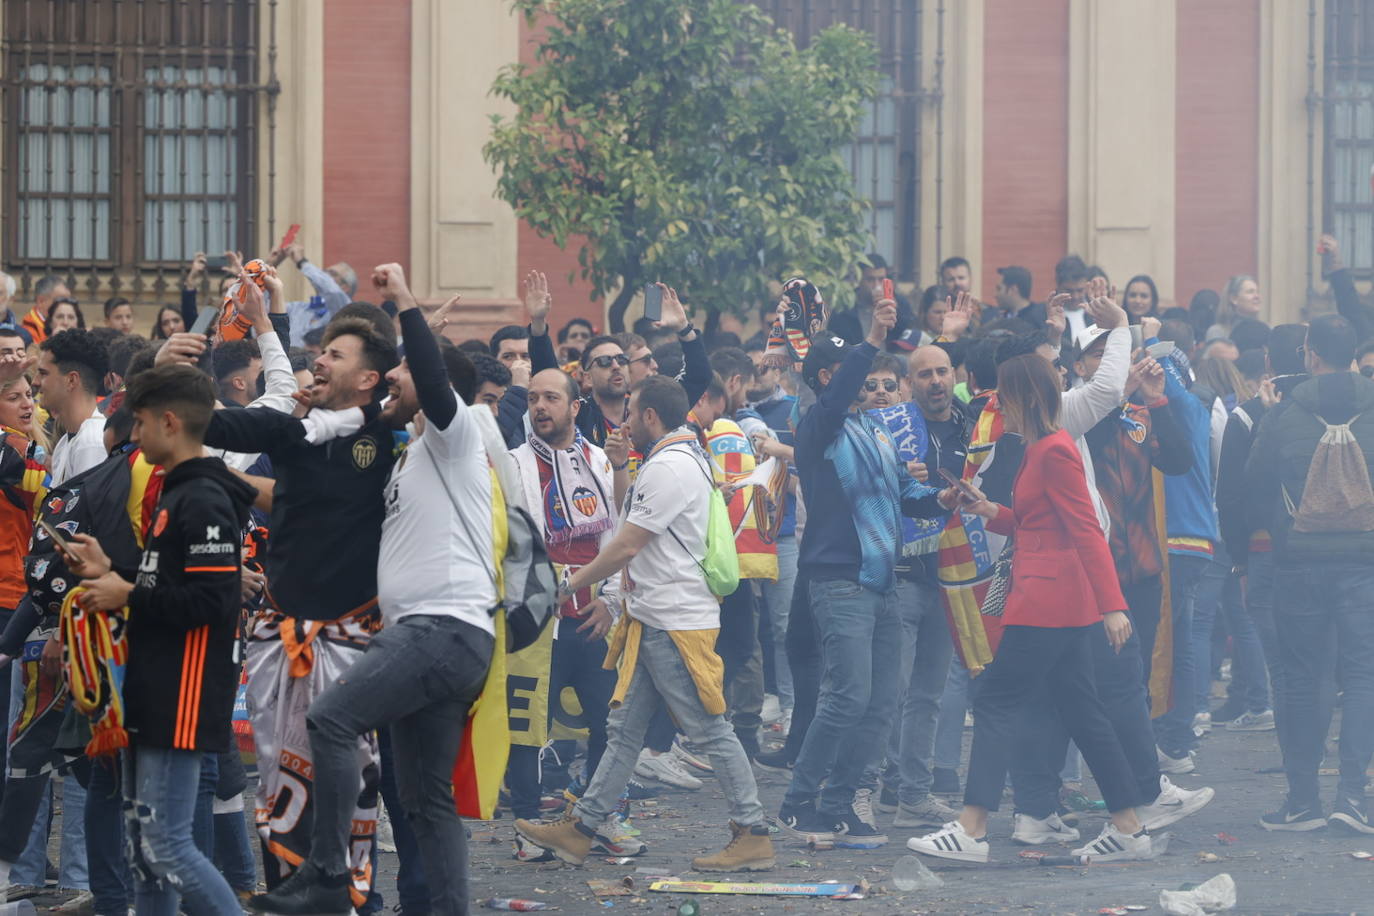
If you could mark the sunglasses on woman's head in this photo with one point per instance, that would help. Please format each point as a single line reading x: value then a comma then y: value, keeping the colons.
x: 606, y: 362
x: 889, y: 384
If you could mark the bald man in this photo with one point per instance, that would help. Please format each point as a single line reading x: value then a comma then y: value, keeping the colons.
x: 576, y: 509
x: 926, y: 643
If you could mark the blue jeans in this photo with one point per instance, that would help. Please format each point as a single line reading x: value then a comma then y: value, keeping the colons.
x: 661, y: 674
x: 419, y: 676
x: 778, y: 596
x: 926, y: 650
x: 1174, y: 729
x: 954, y: 706
x: 861, y: 644
x: 1312, y: 603
x: 111, y: 881
x: 1219, y: 591
x: 160, y: 788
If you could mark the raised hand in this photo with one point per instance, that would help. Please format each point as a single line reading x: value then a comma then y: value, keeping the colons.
x: 1149, y: 328
x: 617, y: 447
x: 182, y: 348
x: 884, y: 320
x: 1152, y: 380
x: 276, y: 290
x: 538, y: 302
x: 444, y: 314
x: 390, y: 281
x: 674, y: 314
x: 1055, y: 321
x: 1104, y: 310
x: 233, y: 263
x: 196, y: 273
x: 958, y: 317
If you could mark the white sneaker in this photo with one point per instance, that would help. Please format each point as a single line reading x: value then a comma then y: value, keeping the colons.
x: 784, y: 725
x: 772, y: 709
x: 1033, y: 831
x: 690, y: 758
x: 386, y: 842
x: 1173, y: 804
x: 951, y: 842
x: 1175, y: 766
x: 1112, y: 845
x: 665, y: 768
x: 1202, y: 724
x: 1253, y: 722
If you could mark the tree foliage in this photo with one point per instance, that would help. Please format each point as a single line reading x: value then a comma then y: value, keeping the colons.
x: 689, y: 141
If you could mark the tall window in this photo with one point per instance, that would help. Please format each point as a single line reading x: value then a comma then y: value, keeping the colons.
x: 885, y: 158
x: 1348, y: 102
x: 130, y: 131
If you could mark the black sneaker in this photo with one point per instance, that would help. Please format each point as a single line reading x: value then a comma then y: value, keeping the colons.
x: 1351, y: 814
x: 306, y: 891
x: 1294, y: 817
x: 945, y: 781
x: 887, y: 799
x: 853, y: 832
x: 1227, y: 712
x: 806, y: 822
x: 774, y: 761
x: 637, y: 791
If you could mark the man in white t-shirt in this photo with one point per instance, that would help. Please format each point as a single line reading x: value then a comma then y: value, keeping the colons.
x: 70, y: 367
x: 666, y: 645
x: 420, y: 675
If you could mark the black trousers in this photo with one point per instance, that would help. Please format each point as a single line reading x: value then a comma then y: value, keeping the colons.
x: 1120, y: 687
x: 804, y: 657
x: 1051, y: 665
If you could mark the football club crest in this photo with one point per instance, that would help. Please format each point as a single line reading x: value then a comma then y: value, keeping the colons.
x: 584, y: 500
x: 364, y: 453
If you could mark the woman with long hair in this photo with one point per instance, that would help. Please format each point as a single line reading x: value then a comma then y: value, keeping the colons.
x: 1064, y: 594
x: 169, y: 322
x: 1240, y: 299
x: 1223, y: 379
x: 934, y: 307
x: 64, y: 315
x: 1141, y: 298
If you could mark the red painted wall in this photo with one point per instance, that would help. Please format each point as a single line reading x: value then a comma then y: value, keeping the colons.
x: 1217, y: 144
x: 571, y: 299
x: 1025, y: 141
x: 366, y: 136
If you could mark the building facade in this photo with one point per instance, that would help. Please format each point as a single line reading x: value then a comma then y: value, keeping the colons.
x: 1186, y: 139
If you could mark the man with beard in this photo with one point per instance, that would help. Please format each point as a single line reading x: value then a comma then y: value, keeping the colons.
x: 926, y: 644
x: 569, y: 485
x: 421, y: 674
x: 320, y: 608
x: 606, y: 366
x: 666, y: 646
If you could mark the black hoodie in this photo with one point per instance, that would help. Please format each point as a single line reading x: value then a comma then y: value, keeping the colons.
x: 184, y: 612
x: 1240, y: 515
x: 1282, y: 455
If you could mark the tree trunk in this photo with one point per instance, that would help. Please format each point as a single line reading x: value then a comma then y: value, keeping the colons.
x: 616, y: 316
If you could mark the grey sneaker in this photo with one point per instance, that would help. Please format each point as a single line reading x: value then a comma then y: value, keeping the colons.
x: 1253, y: 722
x: 928, y: 812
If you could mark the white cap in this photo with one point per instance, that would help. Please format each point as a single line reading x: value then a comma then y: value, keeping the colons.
x: 1088, y: 336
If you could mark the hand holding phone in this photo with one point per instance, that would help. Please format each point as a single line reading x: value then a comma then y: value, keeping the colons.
x: 290, y: 237
x: 888, y: 291
x: 964, y: 488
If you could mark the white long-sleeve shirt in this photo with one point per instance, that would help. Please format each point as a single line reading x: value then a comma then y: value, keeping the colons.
x: 1085, y: 406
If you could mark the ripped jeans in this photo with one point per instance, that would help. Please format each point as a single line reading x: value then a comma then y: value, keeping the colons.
x: 159, y: 806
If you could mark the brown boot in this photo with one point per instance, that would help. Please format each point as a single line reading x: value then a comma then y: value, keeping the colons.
x: 568, y: 838
x: 750, y: 849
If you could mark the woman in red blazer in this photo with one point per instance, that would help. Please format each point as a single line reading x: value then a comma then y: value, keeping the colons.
x: 1063, y: 584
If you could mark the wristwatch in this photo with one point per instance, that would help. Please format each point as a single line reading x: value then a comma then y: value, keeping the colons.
x: 685, y: 331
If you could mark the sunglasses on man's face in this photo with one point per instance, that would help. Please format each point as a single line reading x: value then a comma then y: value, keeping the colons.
x: 606, y: 362
x: 889, y: 384
x: 1367, y: 371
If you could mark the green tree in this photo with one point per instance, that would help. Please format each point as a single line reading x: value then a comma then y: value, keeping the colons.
x: 688, y: 141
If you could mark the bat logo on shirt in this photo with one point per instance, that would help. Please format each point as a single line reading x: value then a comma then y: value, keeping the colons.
x: 364, y: 453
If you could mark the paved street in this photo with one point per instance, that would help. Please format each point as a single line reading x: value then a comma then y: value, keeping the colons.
x: 1275, y: 873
